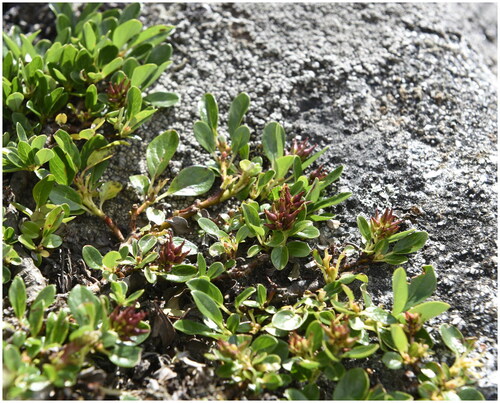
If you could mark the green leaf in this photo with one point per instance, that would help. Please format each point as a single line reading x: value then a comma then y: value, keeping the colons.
x: 89, y: 38
x: 287, y: 320
x: 14, y: 101
x: 194, y: 328
x: 399, y: 338
x: 80, y: 296
x: 237, y: 110
x: 215, y: 270
x: 126, y: 31
x: 253, y: 250
x: 208, y: 307
x: 308, y: 232
x: 251, y: 215
x: 392, y: 360
x: 399, y: 290
x: 142, y: 73
x: 181, y: 273
x: 160, y: 151
x: 243, y: 296
x: 361, y: 351
x: 125, y: 355
x: 205, y: 136
x: 134, y: 102
x: 62, y: 167
x: 111, y: 259
x: 132, y: 10
x: 453, y: 339
x: 51, y: 241
x: 12, y: 358
x: 17, y: 297
x: 209, y: 227
x: 92, y: 257
x: 431, y: 309
x: 468, y: 393
x: 162, y: 99
x: 332, y: 201
x: 108, y: 190
x: 279, y: 257
x: 155, y: 215
x: 421, y: 287
x: 140, y: 183
x: 192, y: 181
x: 146, y: 243
x: 282, y: 165
x: 42, y: 190
x: 298, y: 249
x: 364, y: 228
x: 411, y: 243
x: 208, y: 288
x: 44, y: 155
x: 273, y: 141
x: 106, y: 54
x: 276, y: 240
x: 61, y: 194
x: 110, y: 67
x: 209, y: 111
x: 313, y: 158
x: 395, y: 259
x: 240, y: 138
x: 35, y: 317
x: 354, y: 385
x: 264, y: 344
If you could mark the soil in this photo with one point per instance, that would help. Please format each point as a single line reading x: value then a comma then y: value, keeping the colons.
x: 405, y: 95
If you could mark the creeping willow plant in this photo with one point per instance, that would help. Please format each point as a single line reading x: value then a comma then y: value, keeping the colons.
x: 68, y: 105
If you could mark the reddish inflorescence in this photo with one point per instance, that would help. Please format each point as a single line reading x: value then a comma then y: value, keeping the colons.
x: 302, y: 149
x: 285, y: 210
x: 385, y: 225
x: 125, y: 322
x: 117, y: 92
x: 319, y: 173
x: 171, y: 254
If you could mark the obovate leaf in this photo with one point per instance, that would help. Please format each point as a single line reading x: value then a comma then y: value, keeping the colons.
x: 160, y: 151
x: 125, y: 355
x: 453, y: 339
x: 17, y: 297
x: 125, y: 31
x: 192, y: 181
x: 429, y: 310
x: 421, y: 287
x: 354, y: 385
x: 411, y: 243
x: 209, y: 111
x: 92, y: 257
x: 287, y: 320
x: 237, y: 110
x: 279, y: 257
x: 205, y: 136
x: 61, y: 194
x: 399, y: 290
x: 108, y: 190
x: 194, y: 328
x: 208, y: 307
x: 162, y: 99
x: 392, y: 360
x: 240, y: 138
x: 273, y: 141
x: 364, y: 228
x: 208, y: 288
